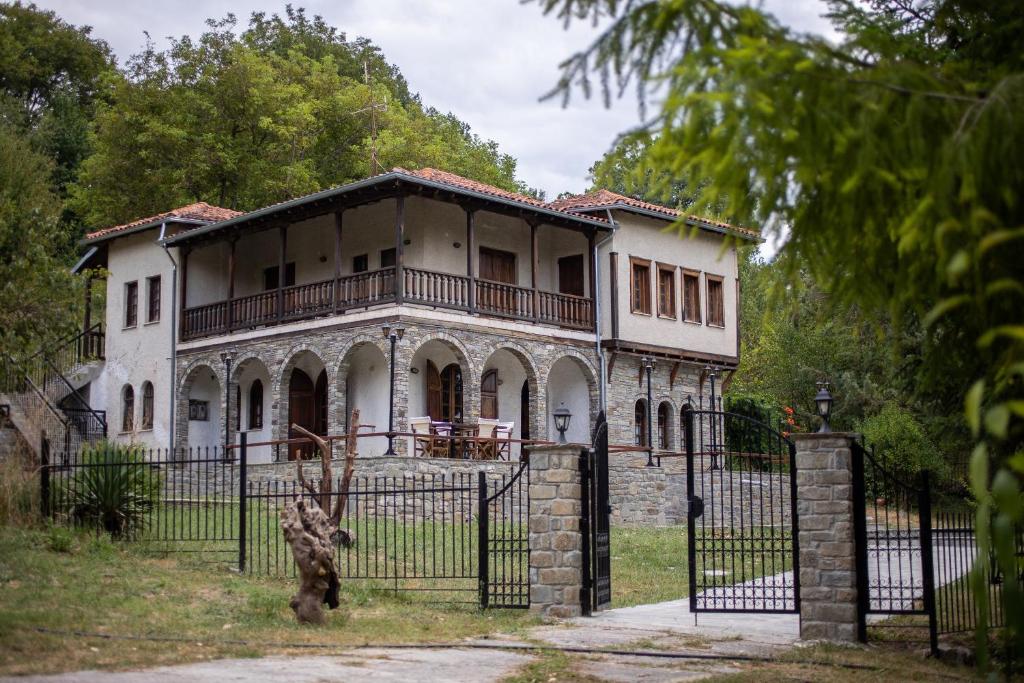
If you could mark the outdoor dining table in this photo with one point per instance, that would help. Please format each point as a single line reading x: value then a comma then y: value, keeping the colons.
x: 467, y: 442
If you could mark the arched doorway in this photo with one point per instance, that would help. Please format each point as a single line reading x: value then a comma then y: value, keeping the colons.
x: 640, y: 423
x: 307, y: 407
x: 571, y: 382
x: 664, y: 428
x: 444, y: 392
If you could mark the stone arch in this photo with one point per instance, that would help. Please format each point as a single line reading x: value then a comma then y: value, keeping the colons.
x: 362, y: 380
x: 251, y: 368
x: 208, y: 379
x: 280, y: 405
x: 512, y: 392
x: 412, y: 361
x: 566, y: 389
x: 665, y: 403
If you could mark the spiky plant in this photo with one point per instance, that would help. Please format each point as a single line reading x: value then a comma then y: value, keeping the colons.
x: 113, y: 489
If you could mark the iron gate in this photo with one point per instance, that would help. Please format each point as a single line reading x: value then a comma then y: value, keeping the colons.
x: 504, y: 543
x: 594, y: 522
x: 742, y: 519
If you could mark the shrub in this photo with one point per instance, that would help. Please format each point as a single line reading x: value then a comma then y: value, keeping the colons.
x: 113, y: 489
x: 901, y: 444
x: 60, y: 540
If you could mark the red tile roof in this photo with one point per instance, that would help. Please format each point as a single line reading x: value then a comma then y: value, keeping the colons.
x: 447, y: 178
x: 607, y: 199
x: 200, y: 211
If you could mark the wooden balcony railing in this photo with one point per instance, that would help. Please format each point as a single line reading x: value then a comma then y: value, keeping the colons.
x: 565, y: 309
x: 439, y: 289
x: 366, y: 289
x: 444, y: 290
x: 309, y: 300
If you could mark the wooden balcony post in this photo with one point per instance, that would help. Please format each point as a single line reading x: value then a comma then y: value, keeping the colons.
x: 337, y: 258
x: 399, y: 240
x: 182, y: 329
x: 534, y: 267
x: 591, y: 261
x: 281, y: 268
x: 231, y: 283
x: 87, y: 318
x: 470, y: 249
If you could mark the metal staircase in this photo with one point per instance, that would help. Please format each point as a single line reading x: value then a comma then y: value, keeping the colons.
x: 44, y: 403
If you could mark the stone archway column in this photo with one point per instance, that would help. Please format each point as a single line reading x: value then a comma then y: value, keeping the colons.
x: 404, y: 353
x: 828, y: 560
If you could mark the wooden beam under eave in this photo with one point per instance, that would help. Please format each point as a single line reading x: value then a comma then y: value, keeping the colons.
x: 672, y: 375
x: 611, y: 365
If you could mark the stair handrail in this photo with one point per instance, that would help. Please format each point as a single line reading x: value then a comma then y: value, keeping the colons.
x: 74, y: 392
x: 72, y: 338
x: 12, y: 363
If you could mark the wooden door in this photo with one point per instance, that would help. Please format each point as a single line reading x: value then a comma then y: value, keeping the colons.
x: 524, y: 410
x: 489, y: 395
x: 301, y: 409
x: 497, y: 265
x: 570, y: 275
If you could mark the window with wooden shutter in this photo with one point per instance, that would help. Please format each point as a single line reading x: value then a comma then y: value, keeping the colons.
x: 256, y: 405
x: 640, y: 290
x: 640, y: 423
x: 147, y: 405
x: 388, y: 257
x: 666, y: 291
x: 498, y: 266
x: 131, y: 304
x: 716, y: 301
x: 489, y: 395
x: 127, y: 408
x: 691, y: 297
x: 153, y: 299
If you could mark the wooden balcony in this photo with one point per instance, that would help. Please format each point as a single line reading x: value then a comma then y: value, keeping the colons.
x: 363, y: 290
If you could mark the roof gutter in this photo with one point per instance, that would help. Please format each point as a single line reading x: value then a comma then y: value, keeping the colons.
x: 377, y: 180
x: 602, y: 391
x: 174, y: 337
x: 689, y: 220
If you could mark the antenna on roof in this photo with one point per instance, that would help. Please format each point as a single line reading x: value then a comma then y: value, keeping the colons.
x: 375, y: 166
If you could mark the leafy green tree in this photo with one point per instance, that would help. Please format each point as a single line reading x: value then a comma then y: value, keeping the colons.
x: 891, y: 159
x: 245, y: 121
x: 39, y: 294
x: 622, y: 170
x: 52, y: 74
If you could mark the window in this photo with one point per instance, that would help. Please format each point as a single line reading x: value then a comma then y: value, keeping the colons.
x: 270, y: 276
x: 498, y: 266
x: 361, y: 263
x: 147, y: 405
x: 131, y: 304
x: 256, y: 405
x: 640, y: 423
x: 153, y: 299
x: 666, y: 291
x: 388, y: 258
x: 716, y: 301
x: 198, y: 410
x: 640, y: 291
x: 664, y: 411
x: 691, y: 296
x: 570, y: 275
x: 127, y: 408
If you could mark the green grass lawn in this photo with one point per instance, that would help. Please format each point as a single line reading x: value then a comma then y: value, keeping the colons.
x: 76, y: 581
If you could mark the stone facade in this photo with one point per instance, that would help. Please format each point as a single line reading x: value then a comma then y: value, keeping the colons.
x: 556, y: 557
x: 828, y: 574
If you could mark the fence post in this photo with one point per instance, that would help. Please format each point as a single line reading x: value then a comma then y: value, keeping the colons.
x: 586, y: 507
x: 483, y: 570
x: 860, y: 534
x: 44, y: 475
x: 243, y: 482
x: 924, y: 514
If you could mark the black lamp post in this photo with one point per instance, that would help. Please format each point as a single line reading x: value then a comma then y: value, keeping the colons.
x: 393, y: 334
x: 227, y: 357
x: 714, y: 419
x: 823, y: 401
x: 648, y: 365
x: 562, y: 418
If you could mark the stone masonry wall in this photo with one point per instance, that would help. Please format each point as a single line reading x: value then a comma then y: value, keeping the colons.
x: 556, y: 558
x: 828, y: 576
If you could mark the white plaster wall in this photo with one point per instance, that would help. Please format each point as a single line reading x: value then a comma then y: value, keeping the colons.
x: 367, y: 388
x: 554, y: 243
x: 203, y: 433
x: 645, y: 238
x: 207, y: 275
x: 506, y: 234
x: 251, y: 370
x: 142, y: 353
x: 567, y: 384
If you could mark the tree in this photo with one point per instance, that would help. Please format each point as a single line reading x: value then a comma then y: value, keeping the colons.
x: 39, y: 293
x: 892, y: 159
x: 245, y: 121
x: 622, y: 170
x: 52, y: 74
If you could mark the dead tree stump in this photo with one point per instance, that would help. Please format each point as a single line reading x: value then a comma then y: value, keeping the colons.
x: 312, y: 532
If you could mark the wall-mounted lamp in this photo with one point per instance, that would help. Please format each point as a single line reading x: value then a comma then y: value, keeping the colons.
x: 323, y: 258
x: 414, y: 370
x: 407, y: 242
x: 457, y: 245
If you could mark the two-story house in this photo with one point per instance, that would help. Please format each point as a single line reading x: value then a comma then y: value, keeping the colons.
x: 509, y: 306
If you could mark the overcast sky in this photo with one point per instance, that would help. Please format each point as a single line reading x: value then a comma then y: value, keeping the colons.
x: 488, y: 61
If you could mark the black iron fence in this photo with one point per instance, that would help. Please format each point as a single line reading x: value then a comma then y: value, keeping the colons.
x: 916, y: 554
x: 452, y: 537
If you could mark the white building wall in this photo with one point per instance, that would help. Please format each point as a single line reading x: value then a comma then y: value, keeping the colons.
x: 141, y: 353
x: 646, y: 238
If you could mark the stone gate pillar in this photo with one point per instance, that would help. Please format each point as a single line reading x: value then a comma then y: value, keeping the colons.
x: 828, y: 563
x: 556, y: 546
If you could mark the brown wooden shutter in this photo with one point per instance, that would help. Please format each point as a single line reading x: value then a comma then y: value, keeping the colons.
x: 570, y: 275
x: 433, y: 381
x: 489, y: 395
